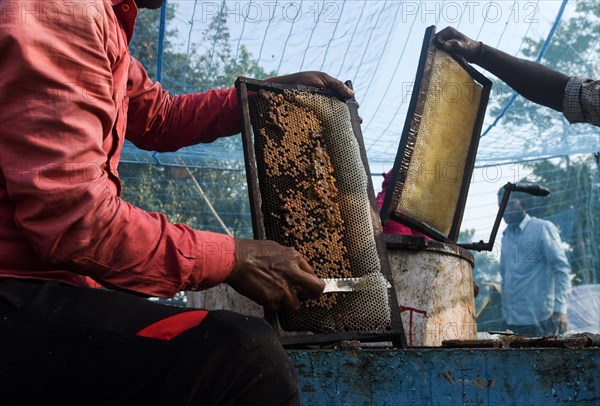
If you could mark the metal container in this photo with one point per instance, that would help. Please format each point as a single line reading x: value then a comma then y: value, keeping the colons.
x: 434, y: 286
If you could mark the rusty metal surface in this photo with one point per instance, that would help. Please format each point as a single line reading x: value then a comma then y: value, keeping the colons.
x: 411, y: 242
x: 449, y: 376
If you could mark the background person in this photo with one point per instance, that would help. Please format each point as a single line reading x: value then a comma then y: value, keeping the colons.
x: 536, y: 276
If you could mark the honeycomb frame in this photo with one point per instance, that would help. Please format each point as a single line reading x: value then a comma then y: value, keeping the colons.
x: 269, y: 112
x: 414, y: 138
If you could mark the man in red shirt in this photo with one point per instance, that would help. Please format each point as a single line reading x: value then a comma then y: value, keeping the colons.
x: 70, y: 94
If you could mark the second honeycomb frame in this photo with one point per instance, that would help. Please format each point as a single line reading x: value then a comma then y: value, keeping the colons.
x: 411, y: 134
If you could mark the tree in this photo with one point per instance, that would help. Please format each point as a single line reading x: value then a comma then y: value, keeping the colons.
x: 145, y: 38
x: 184, y: 69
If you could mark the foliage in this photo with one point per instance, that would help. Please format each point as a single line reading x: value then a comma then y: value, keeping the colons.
x: 184, y: 69
x: 172, y: 190
x: 144, y: 43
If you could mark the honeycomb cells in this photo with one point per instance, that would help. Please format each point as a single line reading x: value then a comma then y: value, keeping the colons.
x: 441, y: 137
x: 314, y: 198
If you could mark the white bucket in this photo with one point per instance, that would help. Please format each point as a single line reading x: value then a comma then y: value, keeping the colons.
x: 434, y: 287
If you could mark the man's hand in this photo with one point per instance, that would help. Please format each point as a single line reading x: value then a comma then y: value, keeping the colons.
x: 316, y: 79
x: 273, y: 275
x: 559, y: 322
x: 451, y: 40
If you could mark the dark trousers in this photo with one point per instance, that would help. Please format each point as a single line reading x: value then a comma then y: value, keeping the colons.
x: 63, y: 345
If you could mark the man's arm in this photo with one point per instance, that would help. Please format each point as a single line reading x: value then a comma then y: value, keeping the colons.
x: 264, y: 271
x: 158, y: 121
x: 534, y: 81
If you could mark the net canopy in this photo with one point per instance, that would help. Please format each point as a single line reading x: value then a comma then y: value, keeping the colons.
x: 376, y: 45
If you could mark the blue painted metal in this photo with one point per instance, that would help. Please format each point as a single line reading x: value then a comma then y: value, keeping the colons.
x: 449, y: 376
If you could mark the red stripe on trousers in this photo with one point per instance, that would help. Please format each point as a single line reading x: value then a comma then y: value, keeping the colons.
x: 172, y: 326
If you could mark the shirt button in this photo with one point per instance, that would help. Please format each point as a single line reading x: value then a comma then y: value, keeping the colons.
x: 125, y: 7
x: 194, y: 288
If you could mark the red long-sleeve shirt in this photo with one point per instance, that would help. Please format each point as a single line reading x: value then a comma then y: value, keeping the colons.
x: 69, y: 95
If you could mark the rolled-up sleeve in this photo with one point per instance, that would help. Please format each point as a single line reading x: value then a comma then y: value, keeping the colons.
x: 581, y: 103
x: 159, y: 121
x: 57, y: 108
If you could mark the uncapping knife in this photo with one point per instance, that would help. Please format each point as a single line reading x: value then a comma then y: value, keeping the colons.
x: 346, y: 284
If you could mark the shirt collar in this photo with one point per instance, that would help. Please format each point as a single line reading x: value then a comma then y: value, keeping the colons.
x: 524, y: 222
x: 521, y: 225
x: 126, y: 12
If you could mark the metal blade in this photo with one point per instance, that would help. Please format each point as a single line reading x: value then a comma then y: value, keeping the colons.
x: 339, y: 284
x: 343, y: 284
